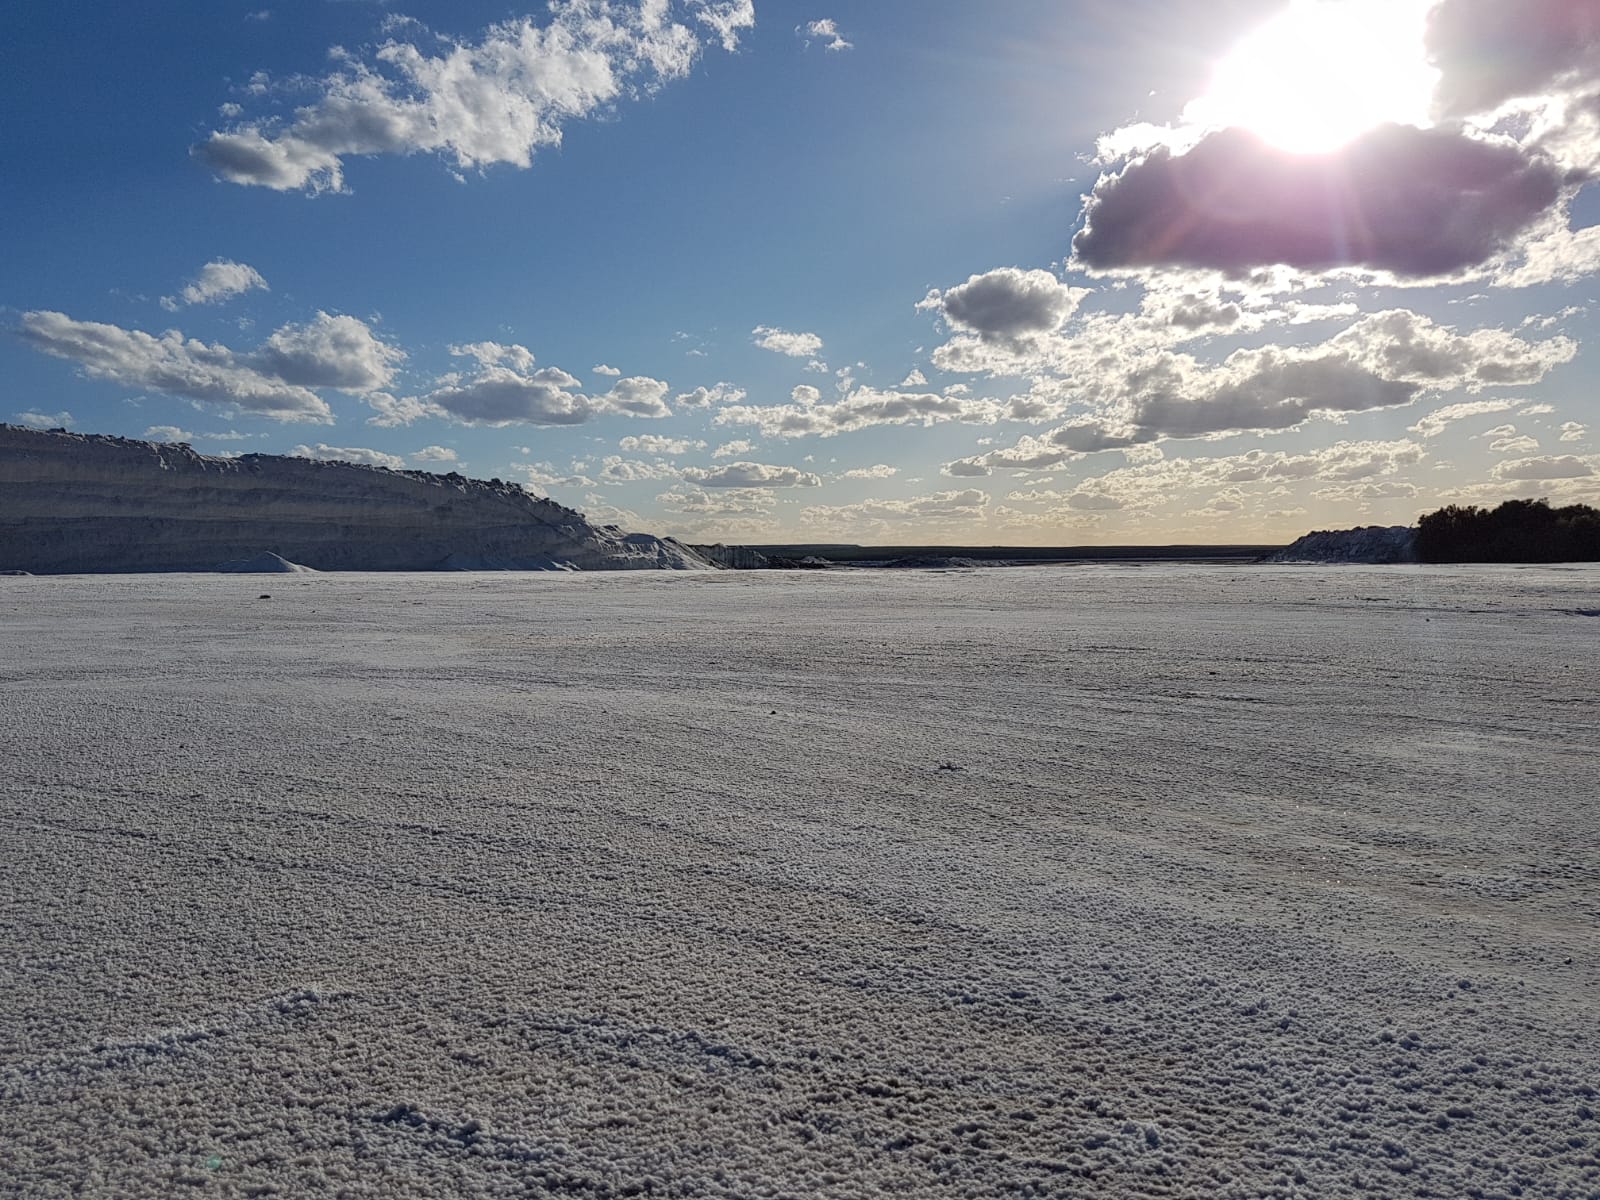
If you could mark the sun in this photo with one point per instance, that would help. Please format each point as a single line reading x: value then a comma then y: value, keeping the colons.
x: 1323, y: 71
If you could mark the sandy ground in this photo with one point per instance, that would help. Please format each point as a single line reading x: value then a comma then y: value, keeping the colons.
x: 1111, y: 881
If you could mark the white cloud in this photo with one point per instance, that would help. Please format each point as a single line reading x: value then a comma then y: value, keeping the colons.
x: 1235, y: 484
x: 546, y: 475
x: 779, y: 341
x: 1138, y: 391
x: 751, y: 475
x: 333, y: 352
x: 615, y: 469
x: 506, y: 389
x: 603, y: 369
x: 1562, y: 466
x: 880, y: 471
x: 1518, y: 444
x: 915, y: 379
x: 938, y: 508
x: 1439, y: 419
x: 398, y: 410
x: 175, y: 365
x: 863, y: 408
x: 500, y: 396
x: 805, y: 394
x: 435, y: 454
x: 712, y: 397
x: 168, y: 433
x: 636, y: 396
x: 725, y: 502
x: 495, y: 354
x: 1572, y: 431
x: 733, y: 449
x: 39, y: 420
x: 825, y: 31
x: 219, y: 280
x: 498, y: 99
x: 351, y: 454
x: 651, y: 443
x: 1007, y: 306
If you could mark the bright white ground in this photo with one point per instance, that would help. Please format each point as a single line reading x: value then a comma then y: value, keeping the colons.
x: 1110, y: 881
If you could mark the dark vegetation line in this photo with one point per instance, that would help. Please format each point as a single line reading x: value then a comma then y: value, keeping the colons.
x: 1519, y: 531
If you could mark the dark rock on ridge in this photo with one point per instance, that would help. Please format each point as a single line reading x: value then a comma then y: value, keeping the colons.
x: 74, y: 502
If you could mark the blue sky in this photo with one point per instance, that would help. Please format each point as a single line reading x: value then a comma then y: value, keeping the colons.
x: 1020, y: 272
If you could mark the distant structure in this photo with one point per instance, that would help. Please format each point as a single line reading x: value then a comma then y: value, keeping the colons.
x: 82, y: 503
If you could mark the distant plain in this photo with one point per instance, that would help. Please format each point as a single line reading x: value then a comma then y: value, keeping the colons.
x: 1154, y: 880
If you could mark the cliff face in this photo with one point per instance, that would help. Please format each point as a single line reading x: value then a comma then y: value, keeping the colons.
x: 86, y: 503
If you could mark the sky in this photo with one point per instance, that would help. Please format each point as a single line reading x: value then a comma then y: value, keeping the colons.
x: 1026, y: 272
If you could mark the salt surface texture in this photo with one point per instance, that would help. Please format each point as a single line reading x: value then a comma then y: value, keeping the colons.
x: 1123, y: 881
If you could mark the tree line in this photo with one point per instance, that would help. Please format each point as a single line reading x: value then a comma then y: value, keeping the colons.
x: 1518, y: 531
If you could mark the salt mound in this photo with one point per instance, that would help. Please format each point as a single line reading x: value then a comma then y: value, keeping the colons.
x: 74, y: 503
x: 265, y: 563
x: 1366, y: 544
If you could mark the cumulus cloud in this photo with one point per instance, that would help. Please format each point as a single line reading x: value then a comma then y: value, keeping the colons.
x: 435, y: 454
x: 733, y: 449
x: 615, y: 469
x: 501, y: 396
x: 1229, y: 484
x: 861, y: 409
x: 751, y: 475
x: 1514, y: 443
x: 726, y: 502
x: 1407, y: 202
x: 497, y: 99
x: 1139, y: 393
x: 1441, y: 419
x: 492, y: 354
x: 941, y: 507
x: 168, y: 433
x: 1572, y: 431
x: 219, y: 280
x: 39, y: 420
x: 333, y: 352
x: 546, y: 475
x: 878, y: 471
x: 603, y: 369
x: 781, y: 341
x: 509, y: 389
x: 825, y: 31
x: 1007, y: 305
x: 350, y: 454
x: 651, y: 443
x: 180, y: 366
x: 711, y: 397
x: 1550, y: 466
x: 636, y: 396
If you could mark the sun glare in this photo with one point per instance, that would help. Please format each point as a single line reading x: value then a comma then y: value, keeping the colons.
x: 1322, y: 72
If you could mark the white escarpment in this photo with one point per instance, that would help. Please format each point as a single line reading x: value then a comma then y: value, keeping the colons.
x: 87, y: 503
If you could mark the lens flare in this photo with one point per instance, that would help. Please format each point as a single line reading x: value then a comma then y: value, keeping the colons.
x: 1322, y: 72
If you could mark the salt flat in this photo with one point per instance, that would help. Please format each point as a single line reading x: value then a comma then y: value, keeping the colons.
x: 1095, y: 880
